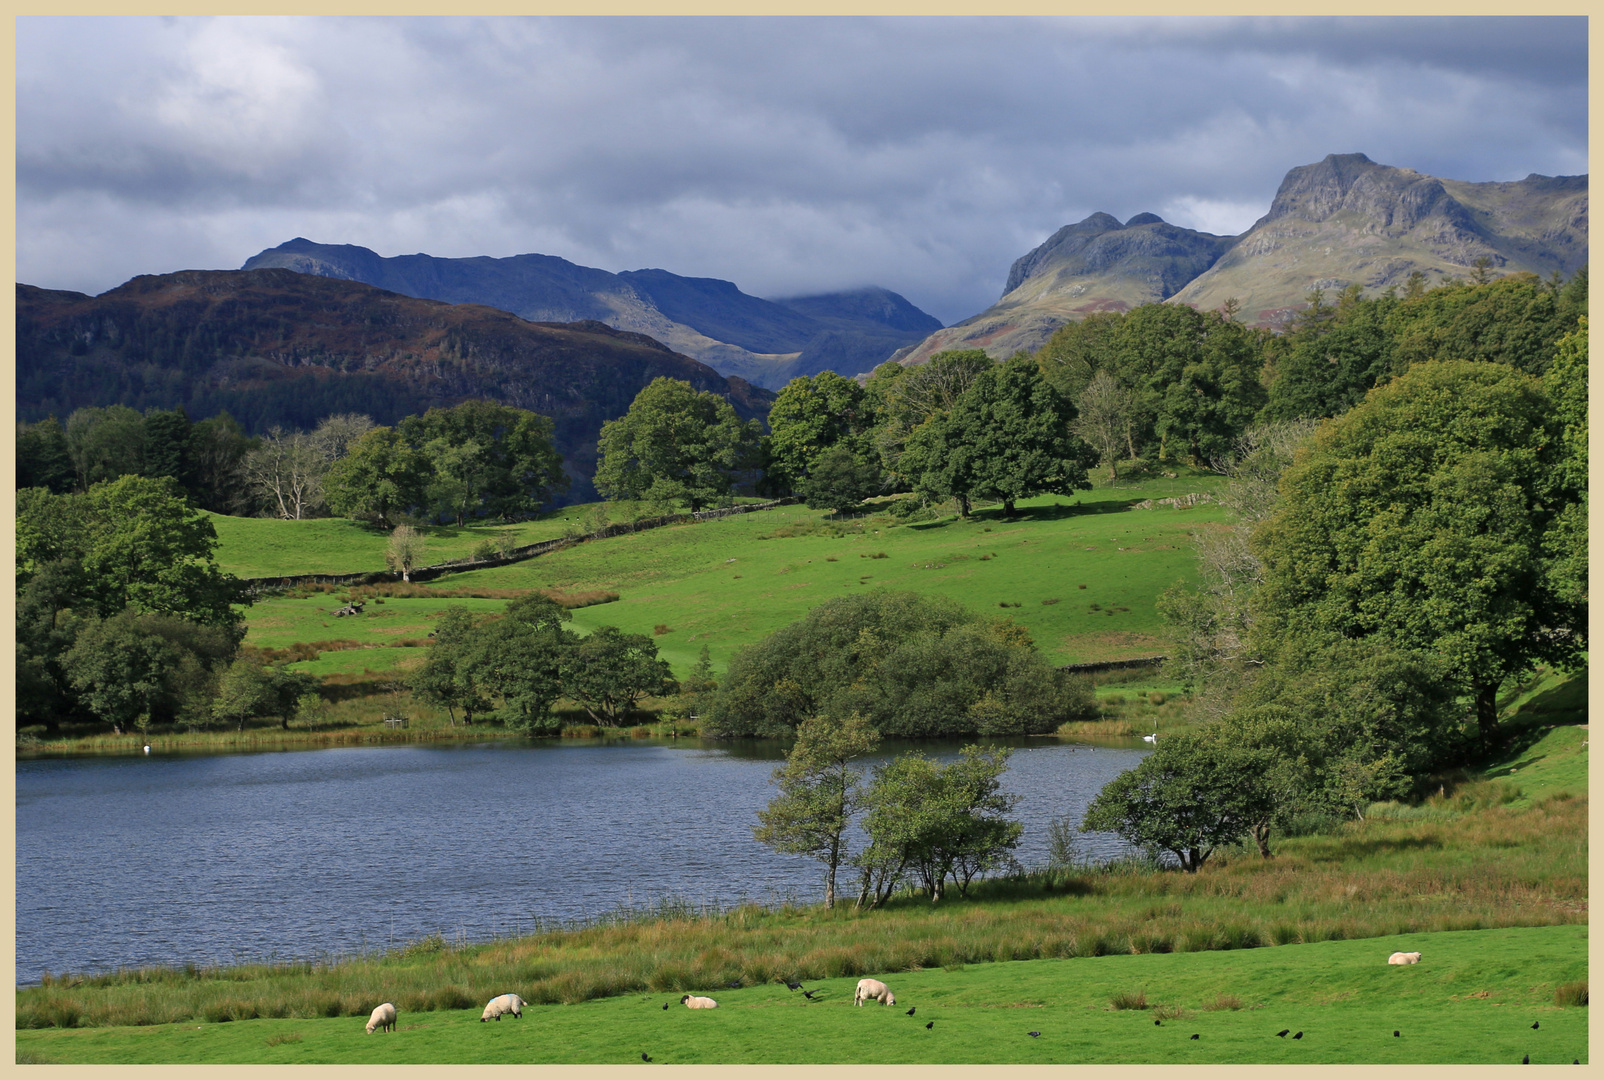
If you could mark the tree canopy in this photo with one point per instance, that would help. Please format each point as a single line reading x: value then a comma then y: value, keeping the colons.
x: 1419, y: 517
x: 675, y: 443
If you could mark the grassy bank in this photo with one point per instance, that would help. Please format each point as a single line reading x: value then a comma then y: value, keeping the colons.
x: 1473, y: 998
x: 1488, y: 854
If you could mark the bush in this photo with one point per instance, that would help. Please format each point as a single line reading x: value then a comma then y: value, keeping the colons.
x: 915, y: 666
x: 1129, y: 999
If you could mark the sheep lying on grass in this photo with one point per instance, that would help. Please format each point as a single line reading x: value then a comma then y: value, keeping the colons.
x: 383, y: 1017
x: 698, y: 1002
x: 506, y: 1003
x: 873, y: 989
x: 1404, y: 958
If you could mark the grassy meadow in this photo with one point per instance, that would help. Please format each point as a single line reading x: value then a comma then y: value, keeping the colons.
x: 1080, y: 573
x: 1488, y: 880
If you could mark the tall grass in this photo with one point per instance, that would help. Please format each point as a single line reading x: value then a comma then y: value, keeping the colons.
x: 1494, y: 867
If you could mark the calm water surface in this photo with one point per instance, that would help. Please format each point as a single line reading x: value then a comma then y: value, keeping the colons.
x: 306, y: 854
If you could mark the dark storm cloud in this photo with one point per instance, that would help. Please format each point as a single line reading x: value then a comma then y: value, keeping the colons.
x: 788, y: 155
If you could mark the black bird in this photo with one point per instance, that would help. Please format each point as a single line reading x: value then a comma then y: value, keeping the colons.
x: 793, y: 985
x: 808, y: 994
x: 1526, y: 1059
x: 910, y: 1011
x: 665, y: 1006
x: 930, y: 1025
x: 1194, y: 1036
x: 1394, y: 1034
x: 1299, y: 1035
x: 644, y: 1056
x: 1282, y: 1033
x: 1034, y: 1034
x: 1156, y: 1023
x: 1534, y: 1025
x: 735, y: 986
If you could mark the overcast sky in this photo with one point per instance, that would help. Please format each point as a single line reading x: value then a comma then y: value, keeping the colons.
x: 789, y: 155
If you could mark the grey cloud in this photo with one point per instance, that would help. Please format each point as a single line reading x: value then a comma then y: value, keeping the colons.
x: 787, y: 155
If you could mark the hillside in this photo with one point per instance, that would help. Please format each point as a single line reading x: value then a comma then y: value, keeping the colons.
x: 1094, y: 265
x: 1345, y: 220
x: 278, y: 347
x: 1080, y: 574
x: 766, y: 342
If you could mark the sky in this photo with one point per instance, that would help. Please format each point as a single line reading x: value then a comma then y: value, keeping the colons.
x: 788, y: 155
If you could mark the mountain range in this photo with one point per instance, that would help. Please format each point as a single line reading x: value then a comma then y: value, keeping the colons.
x: 1345, y: 220
x: 274, y: 347
x: 767, y: 342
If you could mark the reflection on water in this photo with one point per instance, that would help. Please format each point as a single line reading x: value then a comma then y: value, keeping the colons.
x: 296, y: 855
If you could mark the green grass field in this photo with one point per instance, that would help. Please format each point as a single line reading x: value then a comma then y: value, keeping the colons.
x: 1472, y: 999
x: 269, y: 547
x: 1081, y: 574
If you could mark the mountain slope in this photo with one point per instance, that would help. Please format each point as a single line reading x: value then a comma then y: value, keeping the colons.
x: 1347, y: 220
x: 1094, y: 265
x: 1344, y: 220
x: 711, y: 320
x: 278, y: 347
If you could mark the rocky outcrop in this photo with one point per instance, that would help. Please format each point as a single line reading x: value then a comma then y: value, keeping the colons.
x: 1347, y: 220
x: 1093, y: 265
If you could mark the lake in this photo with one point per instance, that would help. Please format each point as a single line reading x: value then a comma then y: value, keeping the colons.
x: 300, y: 855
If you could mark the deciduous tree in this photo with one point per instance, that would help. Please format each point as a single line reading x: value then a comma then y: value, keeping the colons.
x: 820, y: 793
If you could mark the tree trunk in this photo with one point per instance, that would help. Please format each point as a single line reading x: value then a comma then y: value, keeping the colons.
x: 1261, y: 836
x: 1008, y: 507
x: 1487, y: 713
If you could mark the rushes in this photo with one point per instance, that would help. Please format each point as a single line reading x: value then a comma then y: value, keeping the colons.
x: 1571, y: 994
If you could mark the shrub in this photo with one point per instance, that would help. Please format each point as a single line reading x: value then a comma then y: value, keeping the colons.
x: 1129, y: 999
x: 1156, y: 697
x: 1568, y: 995
x: 660, y: 629
x: 1223, y: 1002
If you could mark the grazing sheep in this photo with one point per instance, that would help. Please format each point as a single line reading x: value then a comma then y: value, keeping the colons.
x: 506, y: 1003
x: 698, y: 1002
x: 383, y: 1017
x: 873, y: 988
x: 1404, y: 958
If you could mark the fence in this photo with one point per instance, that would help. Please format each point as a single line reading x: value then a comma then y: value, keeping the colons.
x: 257, y: 586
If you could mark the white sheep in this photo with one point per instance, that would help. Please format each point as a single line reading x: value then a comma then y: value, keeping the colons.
x: 873, y: 989
x: 383, y: 1018
x: 1404, y: 958
x: 698, y: 1002
x: 499, y: 1006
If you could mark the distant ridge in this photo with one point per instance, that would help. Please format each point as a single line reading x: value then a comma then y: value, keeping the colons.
x: 274, y: 346
x: 766, y: 342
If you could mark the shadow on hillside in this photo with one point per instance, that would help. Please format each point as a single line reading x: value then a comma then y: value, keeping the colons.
x: 1557, y: 706
x: 993, y: 515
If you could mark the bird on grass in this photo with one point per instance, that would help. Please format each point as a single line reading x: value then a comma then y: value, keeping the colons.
x: 930, y: 1025
x: 910, y: 1011
x: 1157, y: 1023
x: 1034, y: 1034
x: 665, y: 1006
x: 1196, y: 1036
x: 808, y: 994
x: 1299, y: 1035
x: 1282, y: 1033
x: 793, y: 985
x: 1526, y: 1059
x: 1534, y: 1025
x: 644, y: 1056
x: 1395, y: 1035
x: 735, y: 986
